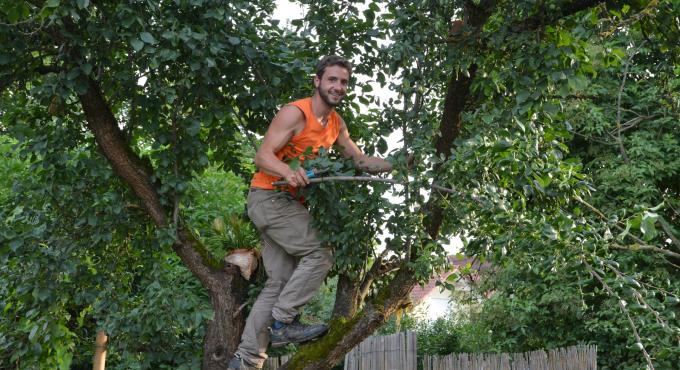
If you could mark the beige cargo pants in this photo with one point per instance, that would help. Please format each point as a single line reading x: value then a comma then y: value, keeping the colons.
x: 295, y: 263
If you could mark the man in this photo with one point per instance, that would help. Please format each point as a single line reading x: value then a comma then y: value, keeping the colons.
x: 295, y: 262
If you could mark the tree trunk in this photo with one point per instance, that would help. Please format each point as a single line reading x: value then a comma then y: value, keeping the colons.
x: 346, y: 297
x: 223, y: 332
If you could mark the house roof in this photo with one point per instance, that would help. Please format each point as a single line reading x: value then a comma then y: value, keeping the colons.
x: 420, y: 293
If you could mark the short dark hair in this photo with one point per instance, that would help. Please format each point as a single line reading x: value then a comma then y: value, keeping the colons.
x: 332, y: 60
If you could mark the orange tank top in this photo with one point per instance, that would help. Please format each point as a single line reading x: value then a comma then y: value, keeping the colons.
x: 313, y: 136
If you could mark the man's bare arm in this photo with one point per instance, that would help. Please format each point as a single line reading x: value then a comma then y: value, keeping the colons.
x: 288, y: 122
x: 364, y: 162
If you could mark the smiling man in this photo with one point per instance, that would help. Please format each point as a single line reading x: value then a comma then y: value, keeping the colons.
x: 295, y: 261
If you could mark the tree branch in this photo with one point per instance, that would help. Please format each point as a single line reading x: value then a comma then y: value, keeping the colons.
x: 346, y: 334
x: 641, y: 245
x: 641, y: 300
x: 376, y: 268
x: 625, y: 311
x: 112, y: 143
x: 644, y: 247
x: 43, y: 70
x: 622, y: 149
x: 137, y: 175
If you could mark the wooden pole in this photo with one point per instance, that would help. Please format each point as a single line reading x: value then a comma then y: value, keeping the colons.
x: 316, y: 180
x: 99, y: 362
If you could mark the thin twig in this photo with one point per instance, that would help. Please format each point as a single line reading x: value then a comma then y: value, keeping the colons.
x: 618, y: 105
x: 644, y: 247
x: 642, y: 300
x: 239, y: 309
x: 631, y: 123
x: 662, y: 290
x: 641, y: 245
x: 367, y: 281
x: 667, y: 228
x: 592, y: 138
x: 592, y: 208
x: 242, y: 126
x: 624, y: 310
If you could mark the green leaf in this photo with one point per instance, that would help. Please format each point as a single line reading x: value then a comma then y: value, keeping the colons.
x: 647, y: 226
x: 578, y: 82
x: 625, y: 232
x: 672, y: 300
x: 169, y: 35
x: 544, y: 181
x: 15, y: 244
x: 550, y: 232
x: 522, y: 96
x: 632, y: 281
x: 147, y: 37
x: 31, y: 335
x: 382, y: 146
x: 137, y: 44
x: 82, y: 4
x: 234, y: 40
x: 294, y: 164
x: 87, y: 68
x: 73, y: 74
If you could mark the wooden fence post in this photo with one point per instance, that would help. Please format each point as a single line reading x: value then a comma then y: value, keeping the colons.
x: 99, y: 361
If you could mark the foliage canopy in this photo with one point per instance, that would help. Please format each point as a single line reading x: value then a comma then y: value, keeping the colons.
x: 125, y: 126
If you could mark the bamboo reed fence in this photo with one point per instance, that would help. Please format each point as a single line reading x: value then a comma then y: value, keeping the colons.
x: 389, y: 352
x: 273, y: 363
x: 569, y: 358
x: 399, y: 352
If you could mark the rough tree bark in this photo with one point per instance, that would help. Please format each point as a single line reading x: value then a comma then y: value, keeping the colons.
x: 225, y: 287
x: 346, y: 297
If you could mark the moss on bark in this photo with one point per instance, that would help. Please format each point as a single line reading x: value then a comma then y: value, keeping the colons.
x: 207, y: 257
x: 319, y: 349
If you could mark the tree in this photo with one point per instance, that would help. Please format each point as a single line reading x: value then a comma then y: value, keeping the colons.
x: 161, y: 90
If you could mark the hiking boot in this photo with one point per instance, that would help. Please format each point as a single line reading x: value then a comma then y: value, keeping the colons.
x: 295, y: 332
x: 237, y: 363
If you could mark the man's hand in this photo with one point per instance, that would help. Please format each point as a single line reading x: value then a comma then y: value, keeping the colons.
x: 297, y: 178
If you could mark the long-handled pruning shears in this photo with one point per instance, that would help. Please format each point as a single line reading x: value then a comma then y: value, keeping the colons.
x: 313, y: 172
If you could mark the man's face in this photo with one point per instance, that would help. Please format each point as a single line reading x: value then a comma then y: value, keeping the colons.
x: 332, y: 86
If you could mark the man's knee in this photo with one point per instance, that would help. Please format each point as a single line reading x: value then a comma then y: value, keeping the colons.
x: 275, y: 285
x: 322, y: 258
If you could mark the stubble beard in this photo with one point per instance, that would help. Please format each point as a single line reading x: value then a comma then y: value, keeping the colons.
x: 326, y: 99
